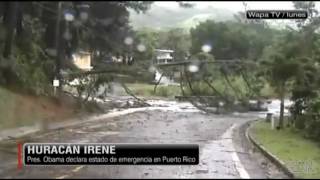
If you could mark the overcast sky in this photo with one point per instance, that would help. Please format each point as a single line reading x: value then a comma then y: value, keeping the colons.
x: 236, y: 5
x: 233, y: 6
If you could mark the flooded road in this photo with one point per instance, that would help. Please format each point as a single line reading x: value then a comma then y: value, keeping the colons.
x: 224, y: 150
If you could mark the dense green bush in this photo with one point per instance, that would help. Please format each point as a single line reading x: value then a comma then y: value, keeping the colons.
x: 28, y: 66
x: 313, y: 122
x: 31, y: 76
x: 300, y: 122
x: 313, y: 128
x: 306, y: 117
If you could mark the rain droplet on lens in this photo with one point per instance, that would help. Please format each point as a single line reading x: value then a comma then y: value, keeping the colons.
x: 107, y: 21
x: 152, y: 69
x: 206, y: 48
x: 84, y: 16
x: 68, y: 16
x: 221, y: 103
x: 51, y: 52
x: 67, y: 35
x: 128, y: 40
x: 193, y: 68
x: 77, y: 23
x: 141, y: 48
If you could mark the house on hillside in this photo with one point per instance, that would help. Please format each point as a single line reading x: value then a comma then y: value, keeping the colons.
x: 82, y: 60
x: 163, y: 56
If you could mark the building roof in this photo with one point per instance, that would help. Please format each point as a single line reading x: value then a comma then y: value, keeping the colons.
x: 83, y: 52
x: 164, y: 50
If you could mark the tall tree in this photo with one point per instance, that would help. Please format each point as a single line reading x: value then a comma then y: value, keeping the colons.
x: 10, y: 22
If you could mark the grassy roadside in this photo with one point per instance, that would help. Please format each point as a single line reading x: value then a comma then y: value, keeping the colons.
x: 301, y: 155
x: 168, y: 92
x: 147, y: 90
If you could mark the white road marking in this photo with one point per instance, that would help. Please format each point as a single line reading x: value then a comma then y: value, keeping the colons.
x: 239, y: 166
x: 69, y: 175
x: 62, y: 177
x: 77, y: 169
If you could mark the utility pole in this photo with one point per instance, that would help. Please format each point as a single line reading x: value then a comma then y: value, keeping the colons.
x: 57, y: 80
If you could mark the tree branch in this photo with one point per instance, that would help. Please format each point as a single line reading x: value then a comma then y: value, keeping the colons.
x: 128, y: 91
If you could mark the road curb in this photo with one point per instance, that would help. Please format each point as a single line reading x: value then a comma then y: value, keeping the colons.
x: 280, y: 164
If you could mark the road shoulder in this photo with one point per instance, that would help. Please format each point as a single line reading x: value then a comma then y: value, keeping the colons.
x: 256, y: 164
x: 280, y: 164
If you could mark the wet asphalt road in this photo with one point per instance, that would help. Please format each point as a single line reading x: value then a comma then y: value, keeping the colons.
x: 224, y: 150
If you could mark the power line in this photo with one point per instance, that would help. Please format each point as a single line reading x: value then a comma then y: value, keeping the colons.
x: 47, y: 8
